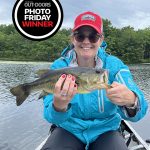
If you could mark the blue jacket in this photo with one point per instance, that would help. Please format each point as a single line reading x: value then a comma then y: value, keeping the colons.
x: 90, y: 115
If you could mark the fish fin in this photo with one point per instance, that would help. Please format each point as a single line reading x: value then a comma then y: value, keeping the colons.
x: 43, y: 93
x: 42, y: 72
x: 21, y: 92
x: 77, y: 80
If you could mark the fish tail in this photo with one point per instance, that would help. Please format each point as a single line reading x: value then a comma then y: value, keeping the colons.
x: 21, y: 92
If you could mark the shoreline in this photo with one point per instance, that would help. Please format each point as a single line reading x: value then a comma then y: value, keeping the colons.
x: 24, y: 62
x: 146, y: 63
x: 38, y: 62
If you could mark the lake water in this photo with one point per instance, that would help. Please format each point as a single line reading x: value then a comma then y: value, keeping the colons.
x: 23, y: 127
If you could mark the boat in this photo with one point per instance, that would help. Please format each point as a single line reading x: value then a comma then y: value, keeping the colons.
x: 133, y: 140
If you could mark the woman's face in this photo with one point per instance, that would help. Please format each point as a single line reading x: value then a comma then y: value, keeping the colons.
x: 86, y: 42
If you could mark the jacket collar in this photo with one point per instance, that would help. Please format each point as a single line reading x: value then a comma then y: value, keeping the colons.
x: 67, y: 53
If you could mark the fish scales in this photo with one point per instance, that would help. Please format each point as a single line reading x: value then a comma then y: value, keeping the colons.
x: 87, y: 79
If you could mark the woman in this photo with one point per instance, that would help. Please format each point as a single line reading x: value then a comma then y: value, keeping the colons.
x: 91, y: 120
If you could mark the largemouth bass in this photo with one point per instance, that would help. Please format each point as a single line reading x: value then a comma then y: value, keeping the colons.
x: 87, y: 79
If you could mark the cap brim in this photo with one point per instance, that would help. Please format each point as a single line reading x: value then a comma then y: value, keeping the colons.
x: 86, y: 24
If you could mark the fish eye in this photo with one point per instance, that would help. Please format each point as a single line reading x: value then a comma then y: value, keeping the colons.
x: 97, y: 71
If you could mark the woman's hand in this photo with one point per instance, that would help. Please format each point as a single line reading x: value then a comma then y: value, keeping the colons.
x: 65, y: 89
x: 120, y: 95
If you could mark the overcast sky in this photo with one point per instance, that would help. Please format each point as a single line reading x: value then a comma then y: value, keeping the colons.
x: 135, y: 13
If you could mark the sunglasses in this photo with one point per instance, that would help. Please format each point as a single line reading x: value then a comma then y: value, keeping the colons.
x: 93, y: 37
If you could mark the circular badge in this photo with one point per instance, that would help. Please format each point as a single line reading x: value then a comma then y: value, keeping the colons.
x: 38, y: 19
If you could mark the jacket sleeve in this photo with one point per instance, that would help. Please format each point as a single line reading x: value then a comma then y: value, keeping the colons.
x: 119, y: 72
x: 124, y: 76
x: 50, y: 114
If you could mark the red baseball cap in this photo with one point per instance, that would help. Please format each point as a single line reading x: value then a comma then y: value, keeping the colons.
x: 89, y: 19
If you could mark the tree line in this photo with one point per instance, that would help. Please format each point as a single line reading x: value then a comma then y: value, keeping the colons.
x: 132, y: 46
